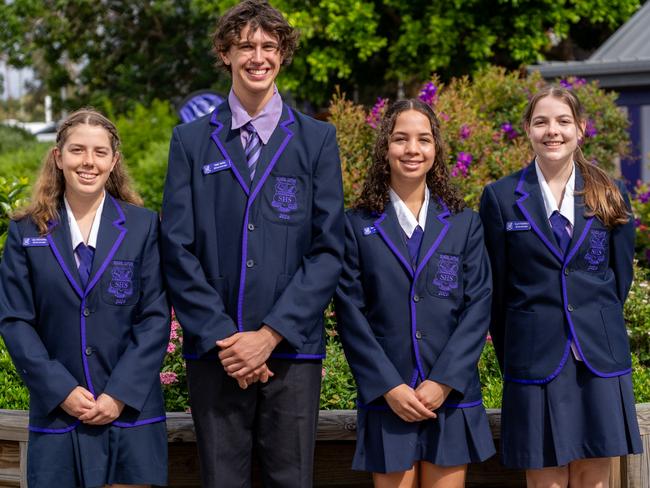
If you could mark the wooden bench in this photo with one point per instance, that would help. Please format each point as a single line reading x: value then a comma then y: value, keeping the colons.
x: 334, y: 450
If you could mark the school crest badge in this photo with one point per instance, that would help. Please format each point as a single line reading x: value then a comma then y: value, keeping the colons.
x: 121, y: 284
x: 597, y: 249
x: 446, y: 278
x: 284, y: 199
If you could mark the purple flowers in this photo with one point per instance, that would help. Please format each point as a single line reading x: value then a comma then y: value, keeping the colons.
x: 572, y: 82
x: 428, y: 93
x: 590, y: 129
x: 644, y: 197
x: 464, y: 132
x: 374, y: 117
x: 463, y: 160
x: 509, y: 130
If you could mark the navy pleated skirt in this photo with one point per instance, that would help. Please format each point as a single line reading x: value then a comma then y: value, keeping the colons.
x: 94, y: 456
x: 386, y: 443
x: 577, y: 415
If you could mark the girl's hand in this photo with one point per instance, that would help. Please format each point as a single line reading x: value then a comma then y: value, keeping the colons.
x: 404, y: 402
x: 105, y: 411
x: 263, y: 374
x: 78, y: 402
x: 432, y: 394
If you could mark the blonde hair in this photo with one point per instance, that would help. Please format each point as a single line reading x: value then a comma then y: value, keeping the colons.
x: 602, y: 197
x: 50, y: 185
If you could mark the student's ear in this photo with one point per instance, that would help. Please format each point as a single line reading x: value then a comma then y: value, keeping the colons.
x: 225, y: 58
x: 116, y: 158
x: 582, y: 126
x: 56, y: 154
x: 527, y: 129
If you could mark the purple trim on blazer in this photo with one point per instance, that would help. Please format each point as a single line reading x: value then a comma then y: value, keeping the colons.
x: 84, y: 358
x: 540, y: 234
x: 59, y: 258
x: 563, y: 361
x: 251, y: 199
x: 414, y: 378
x: 42, y: 430
x: 137, y: 423
x: 567, y: 313
x: 475, y: 403
x: 414, y: 275
x: 407, y: 265
x: 289, y: 355
x: 215, y: 138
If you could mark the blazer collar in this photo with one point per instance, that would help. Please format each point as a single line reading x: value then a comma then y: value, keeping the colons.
x: 111, y: 235
x: 228, y: 142
x: 435, y: 230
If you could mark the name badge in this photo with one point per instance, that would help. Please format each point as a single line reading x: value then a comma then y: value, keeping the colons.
x: 369, y: 230
x: 517, y: 225
x: 35, y: 242
x: 208, y: 169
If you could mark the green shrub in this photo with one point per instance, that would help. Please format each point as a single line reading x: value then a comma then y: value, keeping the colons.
x: 12, y: 193
x: 23, y: 161
x: 641, y: 208
x: 637, y: 315
x: 148, y: 173
x: 12, y: 138
x: 13, y: 393
x: 640, y: 381
x: 491, y: 383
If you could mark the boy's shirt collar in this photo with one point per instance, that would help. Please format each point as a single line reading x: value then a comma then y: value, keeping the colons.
x: 264, y: 122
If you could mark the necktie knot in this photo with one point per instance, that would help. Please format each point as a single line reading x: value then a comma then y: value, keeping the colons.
x: 413, y: 244
x: 559, y: 225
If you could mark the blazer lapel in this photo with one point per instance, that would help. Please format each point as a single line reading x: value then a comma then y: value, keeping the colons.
x: 228, y: 142
x: 110, y: 237
x: 531, y: 204
x: 390, y: 231
x: 61, y: 246
x: 434, y: 232
x: 581, y: 223
x: 272, y: 151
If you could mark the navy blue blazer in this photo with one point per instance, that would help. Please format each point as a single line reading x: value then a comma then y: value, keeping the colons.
x: 109, y: 338
x: 238, y: 255
x: 404, y: 325
x: 543, y: 299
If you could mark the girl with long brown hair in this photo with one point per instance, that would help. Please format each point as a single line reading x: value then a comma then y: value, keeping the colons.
x: 561, y: 242
x: 85, y: 318
x: 413, y: 307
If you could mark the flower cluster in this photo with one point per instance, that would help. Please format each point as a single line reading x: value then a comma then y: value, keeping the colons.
x: 463, y: 161
x: 464, y: 132
x: 168, y: 378
x: 590, y: 129
x: 509, y: 131
x: 429, y: 93
x: 377, y: 112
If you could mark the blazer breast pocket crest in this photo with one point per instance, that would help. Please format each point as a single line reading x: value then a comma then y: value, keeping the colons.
x: 597, y: 251
x: 286, y: 198
x: 445, y: 279
x: 120, y: 283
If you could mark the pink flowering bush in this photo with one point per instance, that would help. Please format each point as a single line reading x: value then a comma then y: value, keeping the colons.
x: 641, y: 207
x: 172, y: 374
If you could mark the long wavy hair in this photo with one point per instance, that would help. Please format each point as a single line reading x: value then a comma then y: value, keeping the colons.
x: 49, y: 188
x: 375, y: 193
x: 602, y: 197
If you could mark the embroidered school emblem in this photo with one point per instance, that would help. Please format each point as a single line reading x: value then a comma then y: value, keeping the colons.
x: 284, y: 198
x: 121, y: 285
x: 447, y: 275
x: 597, y: 249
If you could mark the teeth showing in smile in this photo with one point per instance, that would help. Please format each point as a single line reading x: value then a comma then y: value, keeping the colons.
x: 257, y: 71
x: 86, y: 176
x: 553, y: 143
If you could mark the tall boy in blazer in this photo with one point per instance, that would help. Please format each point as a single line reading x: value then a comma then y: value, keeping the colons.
x: 252, y: 239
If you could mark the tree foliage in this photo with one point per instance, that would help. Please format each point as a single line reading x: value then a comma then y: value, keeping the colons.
x: 139, y: 51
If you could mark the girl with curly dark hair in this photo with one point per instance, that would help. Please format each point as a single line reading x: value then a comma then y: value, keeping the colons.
x: 413, y: 305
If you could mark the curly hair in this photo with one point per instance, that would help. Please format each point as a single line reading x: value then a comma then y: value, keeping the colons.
x: 602, y: 198
x: 375, y: 193
x: 258, y: 14
x: 50, y: 185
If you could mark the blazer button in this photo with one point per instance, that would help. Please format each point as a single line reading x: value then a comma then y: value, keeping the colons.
x: 250, y: 263
x: 416, y: 298
x: 251, y: 227
x: 566, y: 271
x: 569, y: 307
x: 418, y: 334
x: 86, y: 312
x: 89, y: 351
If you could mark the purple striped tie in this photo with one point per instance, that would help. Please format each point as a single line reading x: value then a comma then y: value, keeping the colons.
x: 85, y: 255
x: 253, y: 149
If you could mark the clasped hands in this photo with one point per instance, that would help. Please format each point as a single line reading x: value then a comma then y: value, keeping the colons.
x: 244, y: 354
x: 413, y: 405
x: 81, y: 404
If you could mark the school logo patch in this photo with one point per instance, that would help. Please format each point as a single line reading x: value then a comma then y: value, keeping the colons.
x: 597, y: 249
x: 121, y: 284
x: 284, y: 199
x: 446, y: 278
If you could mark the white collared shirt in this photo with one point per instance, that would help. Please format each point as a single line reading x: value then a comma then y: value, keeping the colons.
x: 567, y: 209
x: 405, y: 217
x: 75, y: 233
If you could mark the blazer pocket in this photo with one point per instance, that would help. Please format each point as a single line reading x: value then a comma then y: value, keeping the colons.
x: 445, y: 275
x: 286, y: 199
x: 616, y: 332
x: 120, y: 284
x: 520, y: 337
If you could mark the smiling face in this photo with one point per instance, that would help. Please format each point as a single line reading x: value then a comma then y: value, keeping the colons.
x: 411, y: 149
x: 254, y: 62
x: 554, y: 132
x: 86, y: 160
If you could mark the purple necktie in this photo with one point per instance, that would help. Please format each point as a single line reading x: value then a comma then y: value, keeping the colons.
x: 85, y: 255
x: 413, y: 244
x: 253, y: 149
x: 559, y: 224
